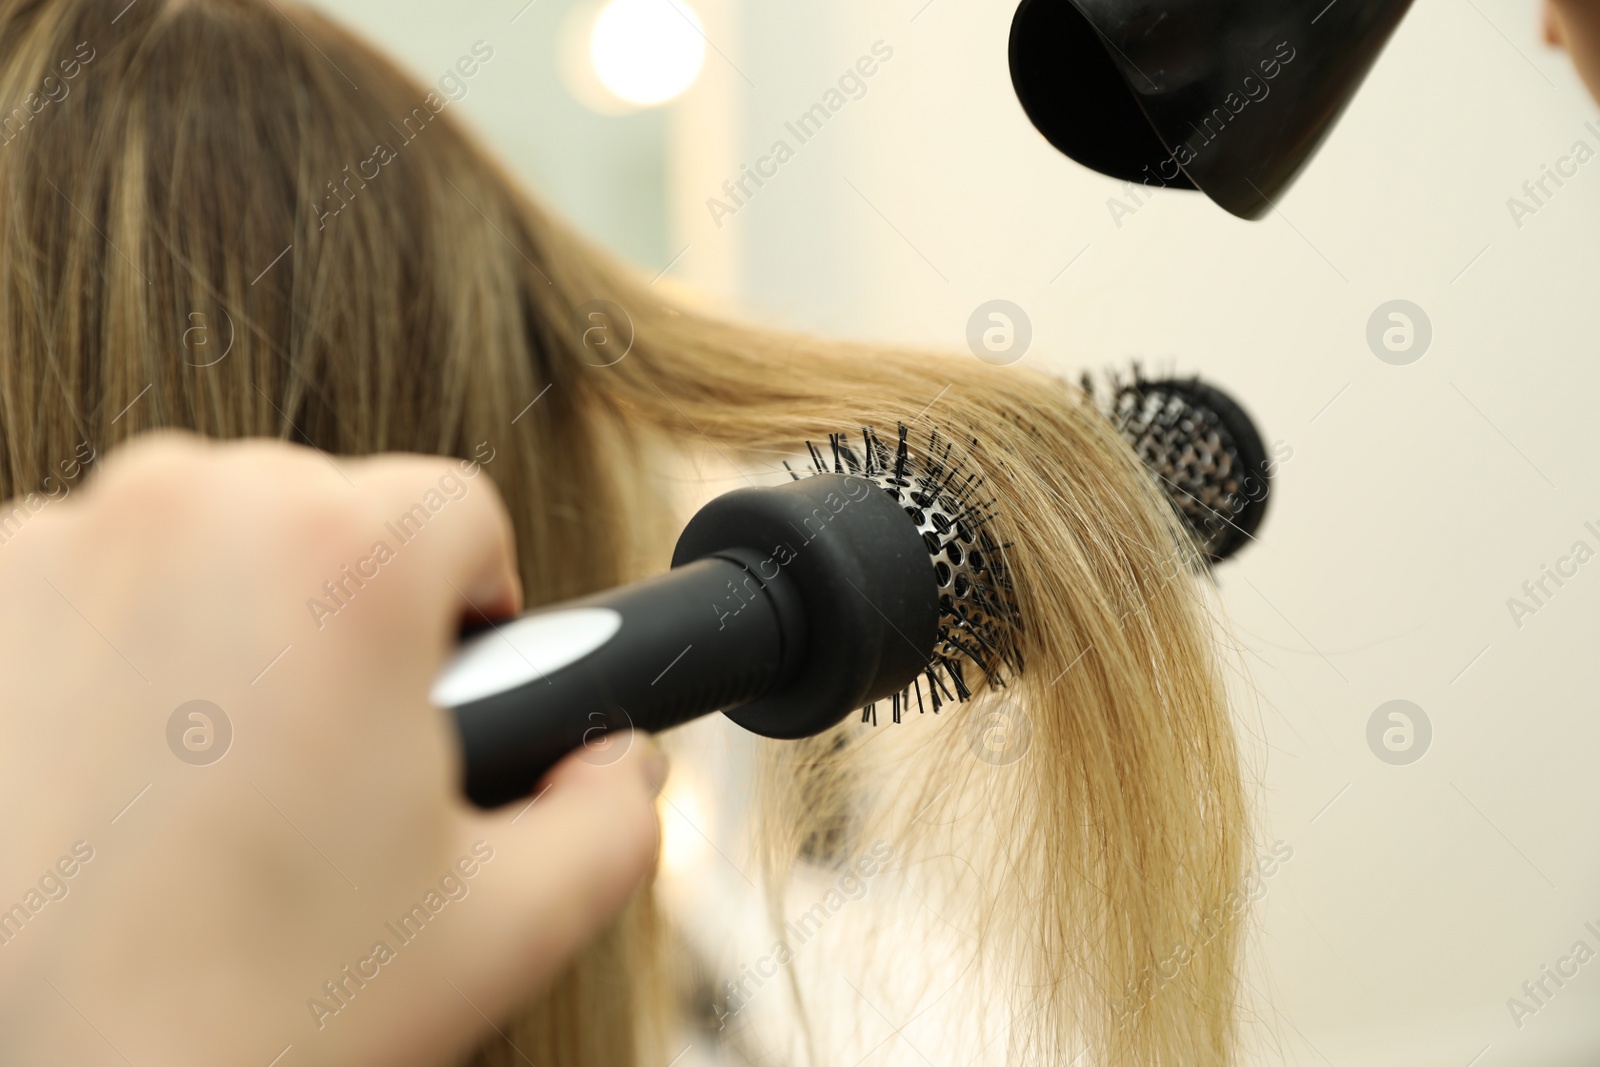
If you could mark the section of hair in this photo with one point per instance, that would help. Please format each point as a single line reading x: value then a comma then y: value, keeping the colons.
x: 188, y: 182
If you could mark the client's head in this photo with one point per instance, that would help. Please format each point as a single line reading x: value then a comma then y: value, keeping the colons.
x: 240, y: 219
x: 235, y: 217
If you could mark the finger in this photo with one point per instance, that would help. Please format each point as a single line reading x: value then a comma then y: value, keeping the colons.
x: 152, y: 449
x: 443, y: 523
x: 566, y: 861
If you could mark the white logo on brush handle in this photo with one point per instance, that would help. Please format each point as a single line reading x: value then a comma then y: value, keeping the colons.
x: 532, y: 647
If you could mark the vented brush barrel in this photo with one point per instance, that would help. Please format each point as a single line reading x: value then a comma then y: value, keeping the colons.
x: 794, y: 605
x: 1203, y: 449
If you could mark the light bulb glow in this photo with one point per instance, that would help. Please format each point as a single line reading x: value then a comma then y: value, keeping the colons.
x: 647, y: 52
x: 683, y: 827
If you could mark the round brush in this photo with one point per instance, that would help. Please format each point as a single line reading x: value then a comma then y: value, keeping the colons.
x: 1204, y: 450
x: 874, y: 577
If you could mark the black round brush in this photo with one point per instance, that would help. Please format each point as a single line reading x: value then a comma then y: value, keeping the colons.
x: 1203, y: 449
x: 874, y: 578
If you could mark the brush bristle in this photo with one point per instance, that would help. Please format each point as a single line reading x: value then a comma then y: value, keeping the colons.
x: 978, y: 620
x: 1202, y: 448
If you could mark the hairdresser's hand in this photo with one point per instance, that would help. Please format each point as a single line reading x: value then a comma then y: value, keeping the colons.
x: 320, y: 886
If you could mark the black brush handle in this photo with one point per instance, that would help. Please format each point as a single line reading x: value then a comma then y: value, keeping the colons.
x: 794, y: 605
x: 647, y: 656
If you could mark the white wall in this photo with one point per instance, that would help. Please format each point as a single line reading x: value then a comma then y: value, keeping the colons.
x: 606, y: 173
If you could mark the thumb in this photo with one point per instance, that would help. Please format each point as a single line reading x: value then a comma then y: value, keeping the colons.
x: 565, y: 862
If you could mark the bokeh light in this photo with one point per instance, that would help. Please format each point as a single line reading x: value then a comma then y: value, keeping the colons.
x: 647, y: 52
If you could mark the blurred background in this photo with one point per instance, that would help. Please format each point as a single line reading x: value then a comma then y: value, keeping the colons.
x: 1433, y: 874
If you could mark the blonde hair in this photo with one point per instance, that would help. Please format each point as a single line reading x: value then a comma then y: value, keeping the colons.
x: 185, y: 176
